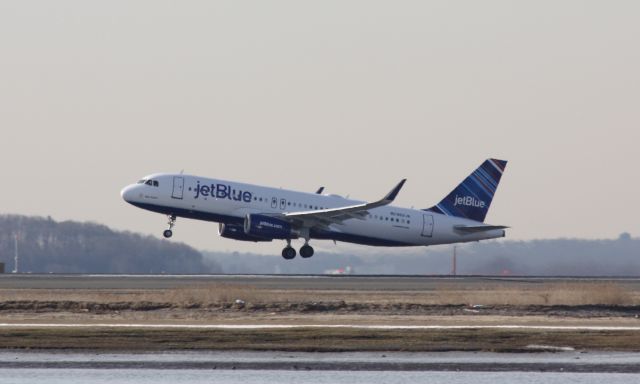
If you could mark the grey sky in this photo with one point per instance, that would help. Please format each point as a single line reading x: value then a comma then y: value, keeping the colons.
x: 352, y: 95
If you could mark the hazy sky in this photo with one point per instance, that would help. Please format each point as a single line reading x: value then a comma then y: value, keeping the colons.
x: 352, y: 95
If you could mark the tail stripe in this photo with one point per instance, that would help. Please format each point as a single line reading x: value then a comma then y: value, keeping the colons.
x: 472, y: 198
x: 500, y: 167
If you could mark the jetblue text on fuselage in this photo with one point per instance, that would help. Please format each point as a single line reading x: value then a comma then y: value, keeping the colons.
x: 270, y: 225
x: 222, y: 191
x: 468, y: 201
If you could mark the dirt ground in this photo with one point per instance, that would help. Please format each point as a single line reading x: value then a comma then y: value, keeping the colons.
x: 576, y: 303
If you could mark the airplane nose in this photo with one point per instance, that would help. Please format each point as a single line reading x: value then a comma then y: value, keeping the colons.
x: 127, y: 193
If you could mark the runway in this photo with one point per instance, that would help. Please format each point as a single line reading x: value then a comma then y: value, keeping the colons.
x: 265, y: 362
x: 294, y: 282
x: 321, y: 326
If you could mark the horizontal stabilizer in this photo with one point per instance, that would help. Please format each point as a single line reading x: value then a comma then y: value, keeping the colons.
x: 478, y: 228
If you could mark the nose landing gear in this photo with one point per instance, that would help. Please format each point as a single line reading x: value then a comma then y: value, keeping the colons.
x: 168, y: 232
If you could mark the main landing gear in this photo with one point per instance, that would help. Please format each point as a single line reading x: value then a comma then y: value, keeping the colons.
x: 168, y: 232
x: 306, y: 251
x: 289, y: 252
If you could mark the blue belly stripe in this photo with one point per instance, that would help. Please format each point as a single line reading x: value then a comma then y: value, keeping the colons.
x: 314, y: 233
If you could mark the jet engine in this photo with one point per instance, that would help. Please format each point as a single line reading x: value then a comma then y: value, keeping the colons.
x: 263, y: 226
x: 236, y: 232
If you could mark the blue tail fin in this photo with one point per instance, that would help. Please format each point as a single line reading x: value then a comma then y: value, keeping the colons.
x: 472, y: 198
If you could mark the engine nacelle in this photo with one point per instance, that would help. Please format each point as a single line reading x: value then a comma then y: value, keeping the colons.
x: 236, y: 232
x: 267, y: 227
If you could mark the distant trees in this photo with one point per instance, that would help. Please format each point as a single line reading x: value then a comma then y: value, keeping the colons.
x: 72, y: 247
x: 575, y: 257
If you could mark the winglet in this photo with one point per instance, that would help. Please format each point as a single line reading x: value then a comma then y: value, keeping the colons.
x: 394, y: 192
x: 349, y: 211
x: 320, y: 190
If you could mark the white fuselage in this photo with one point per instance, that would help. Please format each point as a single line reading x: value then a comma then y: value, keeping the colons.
x: 230, y: 202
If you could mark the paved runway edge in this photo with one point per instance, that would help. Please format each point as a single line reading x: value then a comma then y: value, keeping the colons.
x: 332, y: 366
x: 302, y: 326
x: 348, y: 282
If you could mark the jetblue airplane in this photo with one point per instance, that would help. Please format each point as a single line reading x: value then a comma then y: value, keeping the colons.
x: 254, y: 213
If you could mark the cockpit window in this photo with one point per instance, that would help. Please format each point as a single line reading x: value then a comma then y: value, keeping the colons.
x: 149, y: 182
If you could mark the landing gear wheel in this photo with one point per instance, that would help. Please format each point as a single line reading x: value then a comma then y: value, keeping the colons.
x: 306, y: 251
x: 288, y: 253
x: 168, y: 232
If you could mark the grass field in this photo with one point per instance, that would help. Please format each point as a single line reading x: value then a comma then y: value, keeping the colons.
x: 571, y: 303
x: 578, y: 293
x: 315, y: 340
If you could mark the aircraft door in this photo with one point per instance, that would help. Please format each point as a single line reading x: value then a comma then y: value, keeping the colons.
x: 274, y: 202
x: 427, y: 225
x: 178, y: 187
x: 283, y: 204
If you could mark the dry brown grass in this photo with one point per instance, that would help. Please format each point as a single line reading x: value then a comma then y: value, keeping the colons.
x: 544, y: 294
x: 199, y: 294
x: 212, y: 294
x: 579, y: 293
x: 311, y: 339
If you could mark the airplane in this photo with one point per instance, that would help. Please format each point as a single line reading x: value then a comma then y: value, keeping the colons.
x: 255, y: 213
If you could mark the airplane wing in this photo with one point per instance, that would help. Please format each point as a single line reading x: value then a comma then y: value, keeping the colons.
x: 326, y: 217
x: 478, y: 228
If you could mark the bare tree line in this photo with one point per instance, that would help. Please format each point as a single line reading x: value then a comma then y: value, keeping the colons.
x: 70, y: 247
